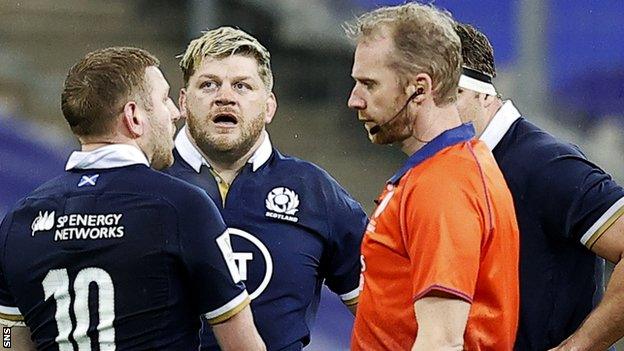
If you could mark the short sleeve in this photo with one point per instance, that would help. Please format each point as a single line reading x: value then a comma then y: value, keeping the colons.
x: 577, y: 200
x: 9, y: 312
x: 347, y: 230
x: 208, y: 258
x: 444, y: 225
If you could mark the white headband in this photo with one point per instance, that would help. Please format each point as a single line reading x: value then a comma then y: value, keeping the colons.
x: 477, y: 85
x: 477, y: 81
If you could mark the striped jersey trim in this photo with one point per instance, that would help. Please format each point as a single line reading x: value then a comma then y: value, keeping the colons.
x: 11, y: 314
x: 351, y: 298
x: 603, y: 223
x: 228, y: 310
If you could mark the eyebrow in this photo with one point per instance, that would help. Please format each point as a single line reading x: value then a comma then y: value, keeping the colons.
x: 212, y: 76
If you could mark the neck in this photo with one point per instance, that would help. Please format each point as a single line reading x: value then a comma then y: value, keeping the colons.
x: 482, y: 122
x: 225, y: 164
x: 92, y: 144
x: 433, y: 122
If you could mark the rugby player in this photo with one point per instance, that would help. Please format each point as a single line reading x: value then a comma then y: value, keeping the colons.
x: 292, y: 226
x: 569, y: 214
x: 109, y: 255
x: 440, y: 254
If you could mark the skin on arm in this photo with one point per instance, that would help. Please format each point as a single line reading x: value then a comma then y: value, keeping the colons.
x: 20, y: 337
x: 239, y: 333
x: 441, y: 321
x: 605, y: 324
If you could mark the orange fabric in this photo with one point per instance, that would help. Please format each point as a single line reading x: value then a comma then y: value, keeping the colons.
x: 448, y: 225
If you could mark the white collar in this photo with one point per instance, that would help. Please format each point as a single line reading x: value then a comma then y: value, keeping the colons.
x: 195, y: 159
x: 500, y: 124
x: 109, y: 156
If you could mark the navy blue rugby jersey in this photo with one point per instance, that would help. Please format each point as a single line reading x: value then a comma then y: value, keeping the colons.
x: 291, y: 227
x: 113, y: 255
x: 563, y: 204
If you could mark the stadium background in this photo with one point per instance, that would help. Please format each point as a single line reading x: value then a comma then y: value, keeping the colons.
x: 562, y: 62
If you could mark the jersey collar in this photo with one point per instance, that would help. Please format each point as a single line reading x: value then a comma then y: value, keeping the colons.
x: 189, y: 152
x: 500, y: 124
x: 450, y: 137
x: 109, y: 156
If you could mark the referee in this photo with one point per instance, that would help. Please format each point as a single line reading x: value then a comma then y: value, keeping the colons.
x: 569, y: 212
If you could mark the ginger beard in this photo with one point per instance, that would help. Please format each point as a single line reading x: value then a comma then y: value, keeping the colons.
x: 393, y: 130
x: 229, y: 146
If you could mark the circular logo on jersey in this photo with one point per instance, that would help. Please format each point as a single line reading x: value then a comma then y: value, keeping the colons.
x: 282, y: 200
x: 243, y: 259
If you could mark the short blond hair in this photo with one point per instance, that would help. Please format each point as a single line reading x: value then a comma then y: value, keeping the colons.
x: 222, y: 42
x: 424, y: 40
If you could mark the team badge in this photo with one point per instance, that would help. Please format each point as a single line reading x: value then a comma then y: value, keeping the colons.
x: 282, y: 203
x: 44, y: 221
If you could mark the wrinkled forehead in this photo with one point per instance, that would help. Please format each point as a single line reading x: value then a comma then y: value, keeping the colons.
x: 229, y: 65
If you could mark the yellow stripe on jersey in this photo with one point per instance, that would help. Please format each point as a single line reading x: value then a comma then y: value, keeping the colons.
x: 352, y: 301
x: 231, y: 313
x: 224, y: 187
x: 603, y: 228
x: 12, y: 317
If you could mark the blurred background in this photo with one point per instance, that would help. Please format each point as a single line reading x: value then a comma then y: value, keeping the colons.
x: 562, y: 62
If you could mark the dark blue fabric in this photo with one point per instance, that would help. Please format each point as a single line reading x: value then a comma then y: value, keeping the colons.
x: 323, y: 243
x: 163, y: 260
x: 450, y: 137
x: 558, y: 195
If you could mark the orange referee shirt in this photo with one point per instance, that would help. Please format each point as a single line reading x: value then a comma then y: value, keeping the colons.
x: 444, y: 222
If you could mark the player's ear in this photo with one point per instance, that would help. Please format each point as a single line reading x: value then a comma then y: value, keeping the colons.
x: 271, y: 107
x: 132, y: 120
x: 182, y: 103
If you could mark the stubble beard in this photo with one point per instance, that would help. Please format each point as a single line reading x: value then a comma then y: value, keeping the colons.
x: 394, y: 132
x: 220, y: 147
x: 162, y: 144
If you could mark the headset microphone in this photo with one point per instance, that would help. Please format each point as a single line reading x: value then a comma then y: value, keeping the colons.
x: 376, y: 129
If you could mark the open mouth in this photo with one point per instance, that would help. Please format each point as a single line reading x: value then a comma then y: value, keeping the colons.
x: 225, y: 119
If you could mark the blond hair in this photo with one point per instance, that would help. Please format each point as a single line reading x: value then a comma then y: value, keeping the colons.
x: 424, y: 40
x: 222, y: 42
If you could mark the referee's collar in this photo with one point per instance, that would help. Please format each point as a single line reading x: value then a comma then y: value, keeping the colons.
x: 450, y: 137
x: 191, y: 155
x: 500, y: 124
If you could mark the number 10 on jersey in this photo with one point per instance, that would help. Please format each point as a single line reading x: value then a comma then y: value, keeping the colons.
x: 57, y: 284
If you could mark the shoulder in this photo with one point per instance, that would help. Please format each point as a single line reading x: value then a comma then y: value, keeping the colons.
x: 176, y: 191
x: 528, y: 139
x: 316, y: 178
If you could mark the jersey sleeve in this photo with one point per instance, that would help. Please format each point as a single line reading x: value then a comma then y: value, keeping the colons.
x: 577, y: 200
x: 208, y: 258
x: 9, y: 312
x: 444, y: 224
x: 343, y: 266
